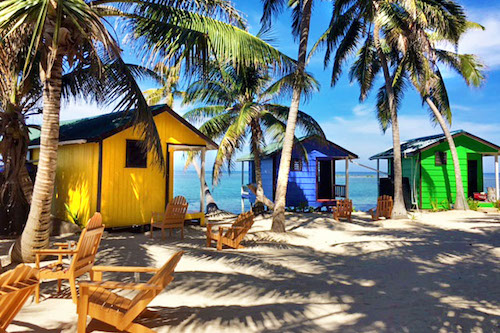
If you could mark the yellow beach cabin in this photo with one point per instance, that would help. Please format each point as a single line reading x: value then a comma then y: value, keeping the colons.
x: 101, y: 166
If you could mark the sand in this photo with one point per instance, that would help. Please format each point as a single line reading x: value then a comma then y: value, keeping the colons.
x: 436, y: 272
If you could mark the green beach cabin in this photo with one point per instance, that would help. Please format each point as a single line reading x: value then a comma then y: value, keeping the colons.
x: 428, y: 173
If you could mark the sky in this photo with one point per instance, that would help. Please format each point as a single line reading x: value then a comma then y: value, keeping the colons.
x: 352, y: 124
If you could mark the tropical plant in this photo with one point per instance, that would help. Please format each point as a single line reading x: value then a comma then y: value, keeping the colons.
x: 73, y: 34
x: 377, y: 23
x: 422, y: 59
x: 473, y: 204
x: 302, y: 11
x: 169, y: 86
x: 237, y: 102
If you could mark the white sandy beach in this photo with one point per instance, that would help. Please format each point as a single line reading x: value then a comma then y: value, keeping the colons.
x: 439, y: 272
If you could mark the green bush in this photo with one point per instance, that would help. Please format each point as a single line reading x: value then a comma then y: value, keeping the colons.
x: 74, y: 217
x: 473, y: 204
x: 496, y: 204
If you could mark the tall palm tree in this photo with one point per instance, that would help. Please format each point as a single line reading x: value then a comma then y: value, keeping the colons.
x: 421, y: 58
x: 74, y: 33
x: 302, y: 11
x: 371, y: 21
x: 169, y: 86
x: 237, y: 103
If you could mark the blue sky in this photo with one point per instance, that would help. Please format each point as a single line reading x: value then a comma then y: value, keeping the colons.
x: 353, y: 125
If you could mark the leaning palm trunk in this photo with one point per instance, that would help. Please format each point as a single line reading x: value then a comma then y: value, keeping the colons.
x: 399, y: 209
x: 256, y: 139
x: 37, y: 231
x: 286, y: 153
x: 460, y: 201
x: 209, y: 199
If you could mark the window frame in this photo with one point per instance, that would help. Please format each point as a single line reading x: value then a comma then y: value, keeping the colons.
x: 440, y: 158
x: 137, y: 145
x: 301, y: 165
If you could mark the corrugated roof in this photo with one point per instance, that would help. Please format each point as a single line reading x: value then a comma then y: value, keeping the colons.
x: 93, y: 129
x: 331, y: 148
x: 414, y: 146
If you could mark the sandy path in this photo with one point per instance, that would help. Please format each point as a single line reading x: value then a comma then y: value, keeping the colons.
x: 438, y: 273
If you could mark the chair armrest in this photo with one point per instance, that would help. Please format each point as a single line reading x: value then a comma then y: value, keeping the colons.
x: 54, y: 252
x: 61, y: 245
x: 120, y: 285
x: 124, y: 269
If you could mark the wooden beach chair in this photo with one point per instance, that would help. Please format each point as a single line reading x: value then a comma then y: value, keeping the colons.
x: 173, y: 218
x: 233, y: 235
x: 384, y: 208
x: 16, y: 286
x: 342, y: 210
x: 98, y: 300
x: 83, y: 257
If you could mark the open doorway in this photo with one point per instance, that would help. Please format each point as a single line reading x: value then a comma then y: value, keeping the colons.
x: 325, y: 179
x: 472, y: 172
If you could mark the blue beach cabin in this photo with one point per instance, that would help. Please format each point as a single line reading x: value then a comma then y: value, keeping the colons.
x: 312, y: 180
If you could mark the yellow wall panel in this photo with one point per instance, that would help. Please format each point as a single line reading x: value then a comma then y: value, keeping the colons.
x: 76, y: 181
x: 129, y: 195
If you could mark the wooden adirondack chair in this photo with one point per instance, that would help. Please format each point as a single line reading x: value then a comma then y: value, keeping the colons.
x: 173, y: 218
x: 233, y: 235
x: 343, y: 210
x: 83, y: 257
x: 98, y: 301
x: 16, y: 286
x: 384, y: 208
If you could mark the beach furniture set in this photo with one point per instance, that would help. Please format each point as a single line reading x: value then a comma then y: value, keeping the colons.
x: 343, y: 209
x: 100, y: 299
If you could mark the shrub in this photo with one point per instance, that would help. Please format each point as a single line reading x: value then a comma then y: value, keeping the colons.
x: 473, y: 204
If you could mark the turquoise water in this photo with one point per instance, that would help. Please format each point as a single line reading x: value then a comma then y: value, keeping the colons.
x: 227, y: 194
x: 363, y: 189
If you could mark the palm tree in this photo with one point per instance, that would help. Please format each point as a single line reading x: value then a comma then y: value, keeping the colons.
x: 302, y: 11
x: 237, y: 103
x: 422, y: 58
x: 168, y: 89
x: 73, y: 34
x: 373, y: 21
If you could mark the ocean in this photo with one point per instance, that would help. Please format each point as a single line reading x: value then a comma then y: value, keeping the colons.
x: 227, y: 194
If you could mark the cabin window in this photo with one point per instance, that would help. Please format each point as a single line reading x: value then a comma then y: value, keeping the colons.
x: 135, y: 156
x: 296, y: 164
x: 441, y: 158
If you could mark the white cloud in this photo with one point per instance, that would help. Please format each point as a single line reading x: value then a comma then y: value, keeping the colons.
x: 485, y: 44
x: 362, y: 110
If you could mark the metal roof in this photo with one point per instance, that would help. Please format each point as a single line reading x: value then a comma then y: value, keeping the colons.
x: 94, y: 129
x: 326, y: 146
x: 415, y: 146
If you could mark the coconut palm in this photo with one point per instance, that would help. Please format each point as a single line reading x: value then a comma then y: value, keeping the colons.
x: 421, y: 58
x: 74, y: 33
x: 237, y: 102
x: 366, y: 25
x: 169, y: 86
x: 302, y: 11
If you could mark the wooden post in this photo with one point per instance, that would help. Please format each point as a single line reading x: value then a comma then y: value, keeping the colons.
x: 497, y: 182
x: 242, y: 184
x: 332, y: 178
x: 347, y: 178
x: 378, y: 178
x: 202, y: 181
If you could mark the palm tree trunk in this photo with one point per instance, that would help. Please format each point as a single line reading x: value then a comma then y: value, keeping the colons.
x: 460, y: 201
x: 255, y: 142
x: 209, y: 199
x: 37, y: 230
x: 286, y: 153
x: 399, y: 210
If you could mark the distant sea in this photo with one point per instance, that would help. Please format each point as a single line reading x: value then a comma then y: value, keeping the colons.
x: 227, y: 194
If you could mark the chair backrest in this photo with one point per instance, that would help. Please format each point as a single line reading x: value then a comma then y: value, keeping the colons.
x: 16, y: 286
x: 243, y: 223
x: 88, y: 244
x: 161, y: 279
x: 344, y: 206
x: 176, y: 210
x: 384, y: 206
